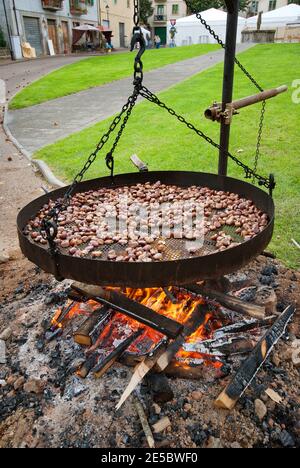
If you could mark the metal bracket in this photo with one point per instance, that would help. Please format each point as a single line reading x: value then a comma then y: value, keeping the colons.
x: 216, y: 114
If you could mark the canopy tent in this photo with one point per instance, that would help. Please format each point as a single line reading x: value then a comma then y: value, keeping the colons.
x: 191, y: 31
x: 87, y: 29
x: 281, y: 17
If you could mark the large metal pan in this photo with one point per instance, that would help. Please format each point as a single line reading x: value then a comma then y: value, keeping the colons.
x: 174, y: 271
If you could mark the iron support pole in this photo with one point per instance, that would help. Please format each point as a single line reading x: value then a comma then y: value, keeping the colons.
x: 228, y: 79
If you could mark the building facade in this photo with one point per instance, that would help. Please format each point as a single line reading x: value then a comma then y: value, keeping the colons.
x: 256, y: 6
x: 117, y: 15
x: 37, y: 21
x: 164, y: 12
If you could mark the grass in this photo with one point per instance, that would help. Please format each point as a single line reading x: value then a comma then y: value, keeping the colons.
x: 166, y: 144
x: 97, y: 71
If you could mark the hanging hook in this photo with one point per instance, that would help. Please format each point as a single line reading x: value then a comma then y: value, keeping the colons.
x: 138, y: 38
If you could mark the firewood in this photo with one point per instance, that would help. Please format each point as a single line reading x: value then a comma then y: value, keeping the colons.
x: 222, y: 346
x: 244, y: 326
x: 140, y: 371
x: 131, y: 308
x: 251, y: 365
x: 163, y: 358
x: 228, y: 301
x: 89, y: 331
x: 161, y: 425
x: 144, y: 421
x: 86, y: 368
x: 104, y: 365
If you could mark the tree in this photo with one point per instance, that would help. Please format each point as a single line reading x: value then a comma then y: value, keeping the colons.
x: 2, y: 39
x: 146, y: 10
x: 202, y: 5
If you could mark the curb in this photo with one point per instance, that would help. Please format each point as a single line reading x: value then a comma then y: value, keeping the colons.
x: 38, y: 163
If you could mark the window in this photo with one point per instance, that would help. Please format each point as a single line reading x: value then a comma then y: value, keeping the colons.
x: 272, y: 5
x: 254, y: 7
x: 175, y: 9
x: 160, y: 9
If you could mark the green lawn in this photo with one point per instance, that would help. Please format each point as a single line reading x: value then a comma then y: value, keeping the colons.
x: 165, y: 144
x: 97, y: 71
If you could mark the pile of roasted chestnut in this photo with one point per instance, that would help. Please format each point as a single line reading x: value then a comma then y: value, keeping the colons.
x: 135, y: 222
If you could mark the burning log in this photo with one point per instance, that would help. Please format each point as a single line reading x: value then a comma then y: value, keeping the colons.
x: 199, y: 371
x: 251, y: 366
x: 62, y: 316
x: 170, y: 295
x: 104, y: 365
x: 228, y: 301
x: 131, y: 308
x: 225, y: 346
x: 144, y: 421
x: 246, y: 325
x: 90, y: 330
x: 163, y: 358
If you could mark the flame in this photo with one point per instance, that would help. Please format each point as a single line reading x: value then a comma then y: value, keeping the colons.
x: 174, y: 303
x: 71, y: 310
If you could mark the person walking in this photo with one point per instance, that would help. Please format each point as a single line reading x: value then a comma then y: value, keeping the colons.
x: 157, y: 41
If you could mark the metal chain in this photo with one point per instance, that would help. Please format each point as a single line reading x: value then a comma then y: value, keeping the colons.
x: 49, y: 223
x: 109, y: 157
x: 259, y: 135
x: 48, y: 229
x: 248, y: 75
x: 262, y: 181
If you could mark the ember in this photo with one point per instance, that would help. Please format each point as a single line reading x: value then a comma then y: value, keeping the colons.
x: 109, y: 335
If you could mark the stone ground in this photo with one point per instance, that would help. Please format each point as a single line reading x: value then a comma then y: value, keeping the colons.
x: 43, y: 124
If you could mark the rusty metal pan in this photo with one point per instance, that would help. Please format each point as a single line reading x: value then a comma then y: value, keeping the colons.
x: 172, y: 272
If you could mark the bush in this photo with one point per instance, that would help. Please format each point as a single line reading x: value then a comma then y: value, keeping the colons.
x: 2, y: 39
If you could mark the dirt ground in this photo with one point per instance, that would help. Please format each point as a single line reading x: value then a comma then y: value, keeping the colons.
x: 18, y: 186
x: 43, y: 403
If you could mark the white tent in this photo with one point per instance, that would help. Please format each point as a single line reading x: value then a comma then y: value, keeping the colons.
x: 281, y: 17
x: 191, y: 31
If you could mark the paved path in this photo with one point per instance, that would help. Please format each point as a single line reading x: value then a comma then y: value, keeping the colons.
x: 43, y: 124
x: 19, y: 74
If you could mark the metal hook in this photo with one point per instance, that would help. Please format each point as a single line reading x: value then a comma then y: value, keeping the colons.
x: 138, y: 38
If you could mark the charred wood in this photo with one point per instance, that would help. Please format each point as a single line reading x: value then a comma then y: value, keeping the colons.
x: 131, y: 308
x: 162, y: 359
x: 90, y: 330
x: 102, y: 366
x: 254, y: 362
x: 229, y: 301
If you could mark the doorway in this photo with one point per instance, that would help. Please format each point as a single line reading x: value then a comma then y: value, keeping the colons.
x: 33, y: 33
x: 122, y: 34
x: 52, y: 34
x: 65, y: 30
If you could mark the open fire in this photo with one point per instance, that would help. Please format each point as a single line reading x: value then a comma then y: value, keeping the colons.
x: 109, y: 335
